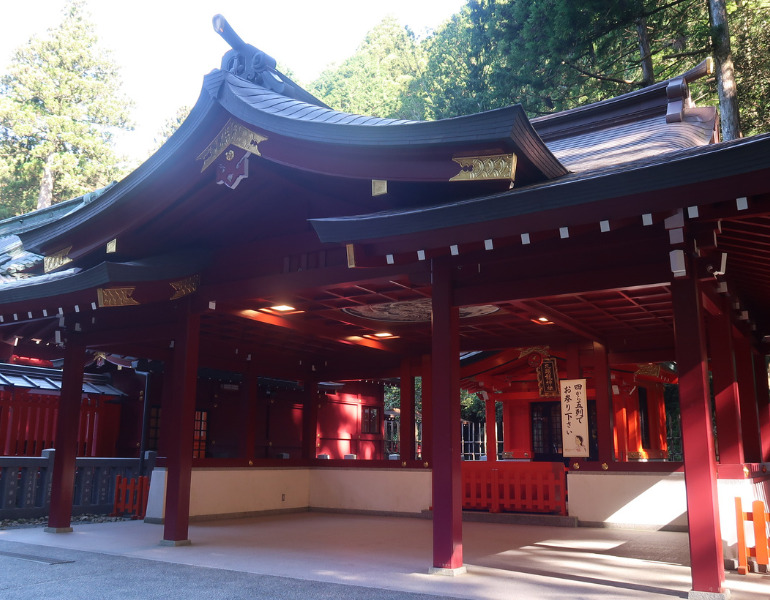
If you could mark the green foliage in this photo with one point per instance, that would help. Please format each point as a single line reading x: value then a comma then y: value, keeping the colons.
x: 379, y: 78
x: 554, y: 55
x: 750, y: 33
x: 60, y: 104
x: 548, y: 56
x: 472, y: 408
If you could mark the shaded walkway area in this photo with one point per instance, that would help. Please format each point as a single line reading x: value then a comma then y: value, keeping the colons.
x: 323, y: 555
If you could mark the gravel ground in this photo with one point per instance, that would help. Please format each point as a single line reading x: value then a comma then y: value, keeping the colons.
x: 43, y: 521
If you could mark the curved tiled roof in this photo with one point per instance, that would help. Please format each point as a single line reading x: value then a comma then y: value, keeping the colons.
x: 270, y: 102
x: 633, y: 141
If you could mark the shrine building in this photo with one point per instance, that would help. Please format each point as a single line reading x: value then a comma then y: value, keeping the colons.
x: 276, y: 261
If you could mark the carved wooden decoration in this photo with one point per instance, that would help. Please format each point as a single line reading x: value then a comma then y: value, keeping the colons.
x: 234, y: 169
x: 232, y: 134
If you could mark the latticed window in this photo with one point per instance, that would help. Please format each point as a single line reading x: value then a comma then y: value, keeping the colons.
x: 546, y: 428
x: 370, y: 419
x: 199, y: 440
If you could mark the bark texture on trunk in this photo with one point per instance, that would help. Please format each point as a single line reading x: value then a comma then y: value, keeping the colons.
x: 726, y: 88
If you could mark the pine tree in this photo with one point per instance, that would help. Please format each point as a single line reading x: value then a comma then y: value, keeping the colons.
x: 59, y: 106
x: 379, y: 78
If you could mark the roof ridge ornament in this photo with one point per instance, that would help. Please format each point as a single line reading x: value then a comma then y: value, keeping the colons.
x: 245, y: 60
x: 252, y: 64
x: 678, y: 91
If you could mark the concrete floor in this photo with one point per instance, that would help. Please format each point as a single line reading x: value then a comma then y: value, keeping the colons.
x: 323, y: 555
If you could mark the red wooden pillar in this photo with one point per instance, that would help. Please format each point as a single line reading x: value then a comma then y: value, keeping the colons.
x: 604, y: 413
x: 406, y: 420
x: 726, y: 397
x: 707, y: 564
x: 621, y: 428
x: 447, y: 440
x: 63, y: 477
x: 310, y: 420
x: 491, y: 426
x: 248, y: 409
x: 178, y: 425
x: 744, y: 368
x: 427, y: 411
x: 763, y: 402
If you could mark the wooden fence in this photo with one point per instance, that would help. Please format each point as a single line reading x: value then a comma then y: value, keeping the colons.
x: 131, y: 494
x: 759, y: 518
x: 25, y: 483
x: 28, y: 424
x: 501, y: 486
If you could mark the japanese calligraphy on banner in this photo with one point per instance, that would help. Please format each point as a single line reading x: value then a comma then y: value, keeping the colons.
x: 574, y: 417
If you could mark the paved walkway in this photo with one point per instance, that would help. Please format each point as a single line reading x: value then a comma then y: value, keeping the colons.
x: 328, y: 556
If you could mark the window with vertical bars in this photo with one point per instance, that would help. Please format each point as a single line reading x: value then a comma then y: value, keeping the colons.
x: 370, y: 419
x: 199, y: 439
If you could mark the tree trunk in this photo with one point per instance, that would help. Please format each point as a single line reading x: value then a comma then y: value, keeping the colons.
x: 648, y: 75
x: 45, y: 197
x: 726, y: 88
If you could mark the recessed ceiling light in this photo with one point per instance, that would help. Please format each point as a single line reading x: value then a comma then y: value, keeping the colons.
x: 542, y: 320
x: 381, y: 335
x: 282, y: 308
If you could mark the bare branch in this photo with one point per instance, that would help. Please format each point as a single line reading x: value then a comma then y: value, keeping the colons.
x: 601, y: 77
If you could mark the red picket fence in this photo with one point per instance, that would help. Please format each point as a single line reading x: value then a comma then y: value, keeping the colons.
x: 131, y: 496
x: 515, y: 486
x: 759, y: 517
x: 28, y: 424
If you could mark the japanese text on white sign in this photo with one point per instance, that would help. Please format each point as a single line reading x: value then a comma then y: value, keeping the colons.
x: 574, y: 417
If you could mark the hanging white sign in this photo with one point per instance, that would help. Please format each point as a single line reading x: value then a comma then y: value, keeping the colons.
x: 574, y: 417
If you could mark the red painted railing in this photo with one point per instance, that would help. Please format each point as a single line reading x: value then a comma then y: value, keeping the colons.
x: 515, y: 487
x: 759, y: 517
x: 28, y: 424
x: 131, y: 496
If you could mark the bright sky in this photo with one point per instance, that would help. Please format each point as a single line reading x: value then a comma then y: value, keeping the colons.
x: 165, y: 47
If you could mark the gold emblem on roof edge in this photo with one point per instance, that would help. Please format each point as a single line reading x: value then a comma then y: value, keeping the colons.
x: 117, y: 296
x: 232, y: 134
x: 56, y: 260
x: 481, y: 168
x: 185, y: 287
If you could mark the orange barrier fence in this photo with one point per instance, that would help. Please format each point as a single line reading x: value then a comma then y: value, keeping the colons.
x: 515, y: 487
x: 131, y: 496
x: 759, y: 517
